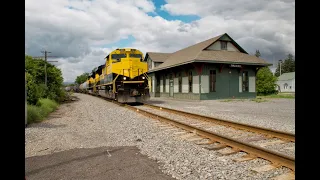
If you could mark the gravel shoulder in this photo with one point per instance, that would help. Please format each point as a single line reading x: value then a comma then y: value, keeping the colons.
x: 278, y: 114
x: 92, y: 122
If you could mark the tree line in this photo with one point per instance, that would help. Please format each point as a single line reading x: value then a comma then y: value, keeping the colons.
x: 266, y: 81
x: 36, y: 88
x: 84, y: 76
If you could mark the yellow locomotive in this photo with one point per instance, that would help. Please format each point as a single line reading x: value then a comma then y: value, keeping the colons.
x: 123, y: 77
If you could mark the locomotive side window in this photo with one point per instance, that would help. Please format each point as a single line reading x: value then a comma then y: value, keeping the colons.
x: 118, y: 56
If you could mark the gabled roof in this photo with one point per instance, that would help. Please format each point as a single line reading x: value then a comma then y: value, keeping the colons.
x: 199, y: 53
x: 157, y: 56
x: 287, y: 76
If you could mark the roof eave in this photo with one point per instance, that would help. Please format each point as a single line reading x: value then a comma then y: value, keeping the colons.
x: 212, y: 61
x: 175, y: 65
x: 157, y: 61
x: 228, y: 62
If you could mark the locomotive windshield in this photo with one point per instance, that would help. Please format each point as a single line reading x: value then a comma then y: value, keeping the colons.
x: 135, y: 55
x: 118, y: 56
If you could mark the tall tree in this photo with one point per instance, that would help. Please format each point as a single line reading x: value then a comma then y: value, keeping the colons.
x: 94, y: 70
x: 35, y: 81
x: 258, y: 54
x: 82, y: 78
x: 266, y: 82
x: 288, y: 65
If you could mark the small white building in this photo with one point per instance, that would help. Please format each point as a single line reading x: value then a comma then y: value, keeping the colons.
x: 286, y: 82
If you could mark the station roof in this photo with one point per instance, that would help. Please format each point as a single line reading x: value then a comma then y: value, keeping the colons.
x: 157, y: 56
x: 199, y: 53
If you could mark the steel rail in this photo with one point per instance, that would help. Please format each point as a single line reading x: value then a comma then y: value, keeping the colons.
x: 266, y: 131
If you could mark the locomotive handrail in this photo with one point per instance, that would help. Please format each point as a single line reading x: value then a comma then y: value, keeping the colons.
x: 146, y: 75
x: 114, y: 84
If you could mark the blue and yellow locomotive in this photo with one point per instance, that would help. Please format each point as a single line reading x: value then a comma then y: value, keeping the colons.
x: 123, y: 77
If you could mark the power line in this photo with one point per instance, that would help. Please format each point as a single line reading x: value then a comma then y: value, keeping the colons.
x: 45, y: 64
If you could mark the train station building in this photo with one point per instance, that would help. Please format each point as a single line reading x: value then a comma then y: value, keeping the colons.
x: 217, y: 68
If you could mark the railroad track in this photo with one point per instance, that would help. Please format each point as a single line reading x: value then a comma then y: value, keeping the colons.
x: 207, y: 132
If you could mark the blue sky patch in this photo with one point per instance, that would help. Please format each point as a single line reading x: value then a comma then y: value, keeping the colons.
x: 70, y: 7
x: 121, y: 43
x: 167, y: 16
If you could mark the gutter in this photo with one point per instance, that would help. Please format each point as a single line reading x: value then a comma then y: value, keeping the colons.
x: 212, y: 61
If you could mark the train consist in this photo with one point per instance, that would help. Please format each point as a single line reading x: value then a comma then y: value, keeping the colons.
x: 122, y: 78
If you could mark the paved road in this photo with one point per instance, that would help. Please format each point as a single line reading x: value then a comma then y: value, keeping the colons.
x: 101, y: 163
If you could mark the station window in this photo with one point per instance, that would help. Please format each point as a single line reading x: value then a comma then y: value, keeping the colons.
x: 223, y: 45
x: 151, y: 84
x: 164, y: 83
x: 190, y: 81
x: 180, y: 83
x: 212, y: 80
x: 245, y: 81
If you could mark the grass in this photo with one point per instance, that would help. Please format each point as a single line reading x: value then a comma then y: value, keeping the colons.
x: 259, y: 100
x: 280, y: 95
x: 36, y: 113
x: 229, y: 100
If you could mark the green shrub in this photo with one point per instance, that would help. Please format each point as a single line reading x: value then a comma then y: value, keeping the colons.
x: 36, y: 113
x: 33, y: 114
x: 266, y: 82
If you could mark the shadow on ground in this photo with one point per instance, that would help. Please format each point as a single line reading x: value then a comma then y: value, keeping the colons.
x: 46, y: 125
x: 95, y: 164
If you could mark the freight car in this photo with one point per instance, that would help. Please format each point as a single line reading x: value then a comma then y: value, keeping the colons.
x: 122, y: 78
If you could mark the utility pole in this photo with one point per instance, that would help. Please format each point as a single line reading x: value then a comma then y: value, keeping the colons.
x: 45, y: 64
x: 280, y: 61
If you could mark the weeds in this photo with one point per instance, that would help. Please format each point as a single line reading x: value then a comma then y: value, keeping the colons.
x: 36, y: 113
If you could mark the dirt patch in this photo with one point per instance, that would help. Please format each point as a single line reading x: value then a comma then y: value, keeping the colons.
x: 94, y: 164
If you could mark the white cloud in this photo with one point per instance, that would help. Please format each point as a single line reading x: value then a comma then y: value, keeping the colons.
x: 76, y: 34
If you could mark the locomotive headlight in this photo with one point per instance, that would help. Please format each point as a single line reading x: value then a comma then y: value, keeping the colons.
x: 124, y: 78
x: 143, y: 77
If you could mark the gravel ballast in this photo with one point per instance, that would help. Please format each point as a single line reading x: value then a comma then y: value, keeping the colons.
x: 278, y: 114
x: 224, y: 130
x: 92, y: 122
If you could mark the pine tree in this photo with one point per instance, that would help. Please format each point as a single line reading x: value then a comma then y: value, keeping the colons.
x: 257, y: 53
x: 288, y: 65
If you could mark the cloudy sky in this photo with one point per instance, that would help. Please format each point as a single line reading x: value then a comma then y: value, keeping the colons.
x: 80, y: 33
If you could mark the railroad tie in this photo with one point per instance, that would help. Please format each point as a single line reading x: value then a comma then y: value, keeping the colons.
x: 206, y: 142
x: 229, y: 152
x: 245, y: 158
x: 187, y: 135
x: 195, y: 138
x: 289, y: 148
x: 272, y: 143
x: 214, y: 147
x: 180, y: 133
x: 286, y: 176
x: 264, y: 168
